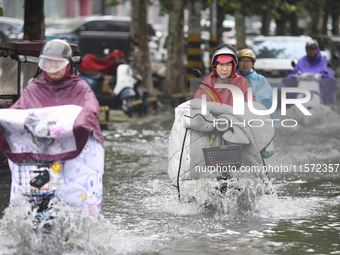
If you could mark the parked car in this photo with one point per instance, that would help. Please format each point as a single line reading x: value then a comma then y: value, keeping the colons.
x: 56, y: 22
x: 96, y: 34
x: 12, y: 27
x: 274, y: 55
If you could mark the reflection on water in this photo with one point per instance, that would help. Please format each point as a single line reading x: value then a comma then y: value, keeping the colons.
x: 141, y: 212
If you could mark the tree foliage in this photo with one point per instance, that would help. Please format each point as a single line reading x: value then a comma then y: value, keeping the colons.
x: 284, y: 12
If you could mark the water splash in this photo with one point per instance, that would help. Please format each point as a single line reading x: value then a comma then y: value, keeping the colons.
x: 71, y: 231
x: 274, y: 207
x: 322, y: 115
x: 235, y: 197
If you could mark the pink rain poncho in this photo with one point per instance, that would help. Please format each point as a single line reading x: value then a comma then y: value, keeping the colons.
x: 71, y: 111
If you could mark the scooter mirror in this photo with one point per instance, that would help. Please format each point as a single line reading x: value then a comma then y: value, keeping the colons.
x: 197, y: 73
x: 293, y: 63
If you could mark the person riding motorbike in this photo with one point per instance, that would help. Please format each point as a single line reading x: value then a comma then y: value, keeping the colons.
x: 224, y: 61
x: 82, y: 167
x: 314, y: 63
x: 261, y: 87
x: 195, y: 133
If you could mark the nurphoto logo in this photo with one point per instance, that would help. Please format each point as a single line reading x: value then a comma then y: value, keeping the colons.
x: 238, y: 99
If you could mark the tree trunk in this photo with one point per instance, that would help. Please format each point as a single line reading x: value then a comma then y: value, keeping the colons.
x: 316, y: 16
x: 175, y: 69
x: 335, y: 10
x: 316, y: 25
x: 281, y: 23
x: 240, y: 30
x: 293, y: 24
x: 213, y: 30
x: 34, y: 20
x: 139, y: 42
x: 335, y: 24
x: 220, y: 19
x: 265, y: 23
x: 327, y: 10
x: 194, y: 51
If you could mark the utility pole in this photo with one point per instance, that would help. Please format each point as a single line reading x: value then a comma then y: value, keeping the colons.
x: 103, y: 7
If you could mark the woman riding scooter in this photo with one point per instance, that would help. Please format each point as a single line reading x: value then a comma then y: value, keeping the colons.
x: 44, y: 106
x: 206, y: 146
x: 224, y: 61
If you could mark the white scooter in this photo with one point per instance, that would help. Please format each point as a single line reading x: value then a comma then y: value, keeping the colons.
x: 127, y: 88
x: 311, y: 82
x: 122, y: 90
x: 315, y: 106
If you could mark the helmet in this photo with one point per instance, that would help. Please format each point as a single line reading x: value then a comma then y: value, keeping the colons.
x: 227, y: 53
x: 55, y: 55
x: 247, y: 53
x: 223, y: 49
x: 312, y: 45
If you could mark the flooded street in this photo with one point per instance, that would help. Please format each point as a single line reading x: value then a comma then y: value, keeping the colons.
x: 141, y: 213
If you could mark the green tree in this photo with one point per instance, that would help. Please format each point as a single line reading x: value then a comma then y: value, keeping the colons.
x: 239, y: 9
x: 315, y: 12
x: 280, y: 10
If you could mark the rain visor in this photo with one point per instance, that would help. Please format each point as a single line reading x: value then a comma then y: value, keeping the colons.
x: 52, y: 64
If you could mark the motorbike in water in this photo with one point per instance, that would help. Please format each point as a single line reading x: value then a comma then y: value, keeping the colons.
x: 50, y: 177
x: 216, y: 157
x: 321, y: 91
x: 311, y: 82
x: 55, y: 153
x: 115, y: 83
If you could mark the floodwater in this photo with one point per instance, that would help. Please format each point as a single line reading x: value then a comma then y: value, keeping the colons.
x: 141, y: 213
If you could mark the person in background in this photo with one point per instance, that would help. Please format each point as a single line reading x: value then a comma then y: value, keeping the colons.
x: 314, y: 63
x: 262, y: 89
x: 224, y: 62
